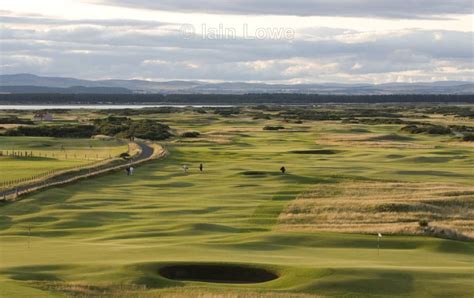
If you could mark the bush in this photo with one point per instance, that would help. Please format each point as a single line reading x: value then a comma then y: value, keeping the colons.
x: 59, y: 131
x: 148, y: 129
x: 125, y: 155
x: 438, y: 130
x: 127, y: 128
x: 377, y: 121
x: 429, y: 129
x: 200, y: 110
x: 468, y: 138
x: 191, y: 134
x: 423, y: 223
x: 260, y: 115
x: 112, y: 126
x: 462, y: 128
x: 14, y: 120
x: 227, y: 112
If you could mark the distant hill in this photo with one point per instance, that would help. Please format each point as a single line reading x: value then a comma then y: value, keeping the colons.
x: 29, y: 83
x: 68, y: 90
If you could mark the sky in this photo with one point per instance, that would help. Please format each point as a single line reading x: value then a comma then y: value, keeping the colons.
x: 271, y: 41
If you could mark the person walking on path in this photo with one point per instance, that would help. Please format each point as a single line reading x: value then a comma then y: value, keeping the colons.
x: 127, y: 169
x: 132, y: 169
x: 283, y: 170
x: 185, y: 168
x: 201, y: 167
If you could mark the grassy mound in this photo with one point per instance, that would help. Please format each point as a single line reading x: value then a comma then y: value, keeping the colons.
x: 390, y: 137
x: 395, y: 156
x: 254, y: 173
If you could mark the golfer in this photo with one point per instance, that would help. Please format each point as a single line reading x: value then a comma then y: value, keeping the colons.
x: 185, y: 168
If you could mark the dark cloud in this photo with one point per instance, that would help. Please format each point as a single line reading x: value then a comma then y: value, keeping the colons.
x: 346, y: 8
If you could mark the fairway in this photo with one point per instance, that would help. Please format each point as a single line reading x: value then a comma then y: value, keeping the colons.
x: 314, y: 228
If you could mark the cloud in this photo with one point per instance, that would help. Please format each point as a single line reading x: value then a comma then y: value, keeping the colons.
x: 96, y: 49
x: 8, y: 18
x: 24, y: 59
x: 346, y: 8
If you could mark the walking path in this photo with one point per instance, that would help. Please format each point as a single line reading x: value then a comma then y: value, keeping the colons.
x: 147, y: 152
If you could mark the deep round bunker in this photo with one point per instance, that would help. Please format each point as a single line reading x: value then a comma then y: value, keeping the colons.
x: 218, y: 273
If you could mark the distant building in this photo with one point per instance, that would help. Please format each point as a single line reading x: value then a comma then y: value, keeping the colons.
x: 43, y: 117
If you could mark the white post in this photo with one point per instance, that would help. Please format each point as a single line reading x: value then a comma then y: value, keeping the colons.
x: 29, y: 234
x: 378, y: 246
x: 378, y: 243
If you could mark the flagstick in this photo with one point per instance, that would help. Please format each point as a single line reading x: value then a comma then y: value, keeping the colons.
x: 378, y: 246
x: 29, y: 234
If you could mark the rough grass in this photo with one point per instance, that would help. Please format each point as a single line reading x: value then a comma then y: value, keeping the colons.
x: 388, y: 207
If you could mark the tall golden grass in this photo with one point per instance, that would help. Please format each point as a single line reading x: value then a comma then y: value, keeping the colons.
x: 81, y: 289
x: 382, y: 207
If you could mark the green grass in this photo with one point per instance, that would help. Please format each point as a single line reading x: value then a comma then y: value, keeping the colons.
x: 52, y: 154
x: 112, y: 234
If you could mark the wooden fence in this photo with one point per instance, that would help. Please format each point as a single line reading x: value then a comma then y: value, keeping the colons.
x: 12, y: 191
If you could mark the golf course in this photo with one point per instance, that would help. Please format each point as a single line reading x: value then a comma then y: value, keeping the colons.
x: 368, y: 206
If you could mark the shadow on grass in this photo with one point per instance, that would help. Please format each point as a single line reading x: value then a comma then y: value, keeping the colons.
x: 37, y: 273
x: 430, y: 173
x: 363, y: 282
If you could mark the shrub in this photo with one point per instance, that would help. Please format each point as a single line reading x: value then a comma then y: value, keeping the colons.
x: 191, y: 134
x: 226, y: 112
x: 377, y: 121
x: 429, y: 129
x: 148, y: 129
x: 468, y: 138
x: 127, y: 128
x: 112, y: 126
x: 423, y: 223
x: 261, y: 115
x: 125, y: 155
x: 14, y: 120
x: 438, y: 130
x: 59, y: 131
x: 462, y: 128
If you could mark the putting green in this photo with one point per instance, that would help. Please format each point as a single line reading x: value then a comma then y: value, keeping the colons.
x: 114, y: 233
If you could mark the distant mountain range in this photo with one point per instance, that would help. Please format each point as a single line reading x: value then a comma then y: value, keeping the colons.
x: 29, y: 83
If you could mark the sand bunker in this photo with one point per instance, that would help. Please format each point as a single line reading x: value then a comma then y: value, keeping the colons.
x: 219, y: 273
